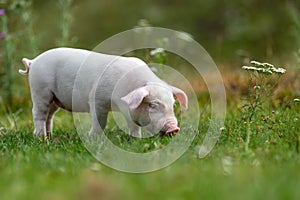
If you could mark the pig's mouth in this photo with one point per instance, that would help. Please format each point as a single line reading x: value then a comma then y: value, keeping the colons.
x: 169, y: 131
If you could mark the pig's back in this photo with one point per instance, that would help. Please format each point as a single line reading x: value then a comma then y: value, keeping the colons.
x: 72, y: 73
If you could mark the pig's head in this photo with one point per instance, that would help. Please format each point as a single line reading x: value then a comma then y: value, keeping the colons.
x: 152, y: 107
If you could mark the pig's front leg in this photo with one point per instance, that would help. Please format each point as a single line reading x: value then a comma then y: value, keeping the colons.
x: 135, y: 130
x: 99, y: 118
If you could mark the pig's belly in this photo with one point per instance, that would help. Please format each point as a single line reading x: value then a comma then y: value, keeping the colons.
x: 73, y: 104
x: 73, y: 100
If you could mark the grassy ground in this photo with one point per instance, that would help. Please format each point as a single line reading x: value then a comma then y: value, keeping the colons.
x: 63, y: 169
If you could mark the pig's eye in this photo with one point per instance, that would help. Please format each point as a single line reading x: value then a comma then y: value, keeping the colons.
x: 153, y: 105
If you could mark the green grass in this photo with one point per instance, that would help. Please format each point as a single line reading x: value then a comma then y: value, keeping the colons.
x: 62, y: 168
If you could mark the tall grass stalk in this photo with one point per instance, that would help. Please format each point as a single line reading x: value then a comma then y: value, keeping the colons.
x: 28, y: 19
x: 66, y: 22
x: 9, y: 52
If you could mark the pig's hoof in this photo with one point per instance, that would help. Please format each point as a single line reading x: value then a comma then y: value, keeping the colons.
x: 136, y: 135
x: 49, y: 134
x: 42, y: 137
x: 94, y: 134
x: 40, y: 134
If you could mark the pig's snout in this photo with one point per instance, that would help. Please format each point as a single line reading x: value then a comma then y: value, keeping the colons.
x: 170, y: 127
x: 173, y: 130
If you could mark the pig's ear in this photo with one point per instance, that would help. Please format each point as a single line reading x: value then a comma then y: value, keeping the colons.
x: 180, y: 96
x: 135, y: 98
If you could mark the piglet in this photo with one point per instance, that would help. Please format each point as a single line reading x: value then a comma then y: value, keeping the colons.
x: 84, y: 81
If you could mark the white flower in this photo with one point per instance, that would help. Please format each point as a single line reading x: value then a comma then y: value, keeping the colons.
x: 143, y: 23
x: 258, y: 69
x: 185, y: 36
x: 249, y: 68
x: 266, y: 68
x: 278, y: 70
x: 257, y: 87
x: 296, y: 100
x: 259, y: 64
x: 156, y: 51
x: 263, y: 70
x: 268, y: 65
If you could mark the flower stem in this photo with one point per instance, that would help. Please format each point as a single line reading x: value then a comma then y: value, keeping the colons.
x: 248, y: 136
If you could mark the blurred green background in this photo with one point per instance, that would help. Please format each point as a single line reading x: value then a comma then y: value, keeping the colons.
x: 260, y: 29
x: 231, y: 31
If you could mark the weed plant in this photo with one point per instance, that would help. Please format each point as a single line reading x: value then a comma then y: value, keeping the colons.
x: 263, y: 78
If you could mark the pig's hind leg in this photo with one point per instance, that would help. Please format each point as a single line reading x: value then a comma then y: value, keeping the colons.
x: 49, y: 122
x: 41, y: 105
